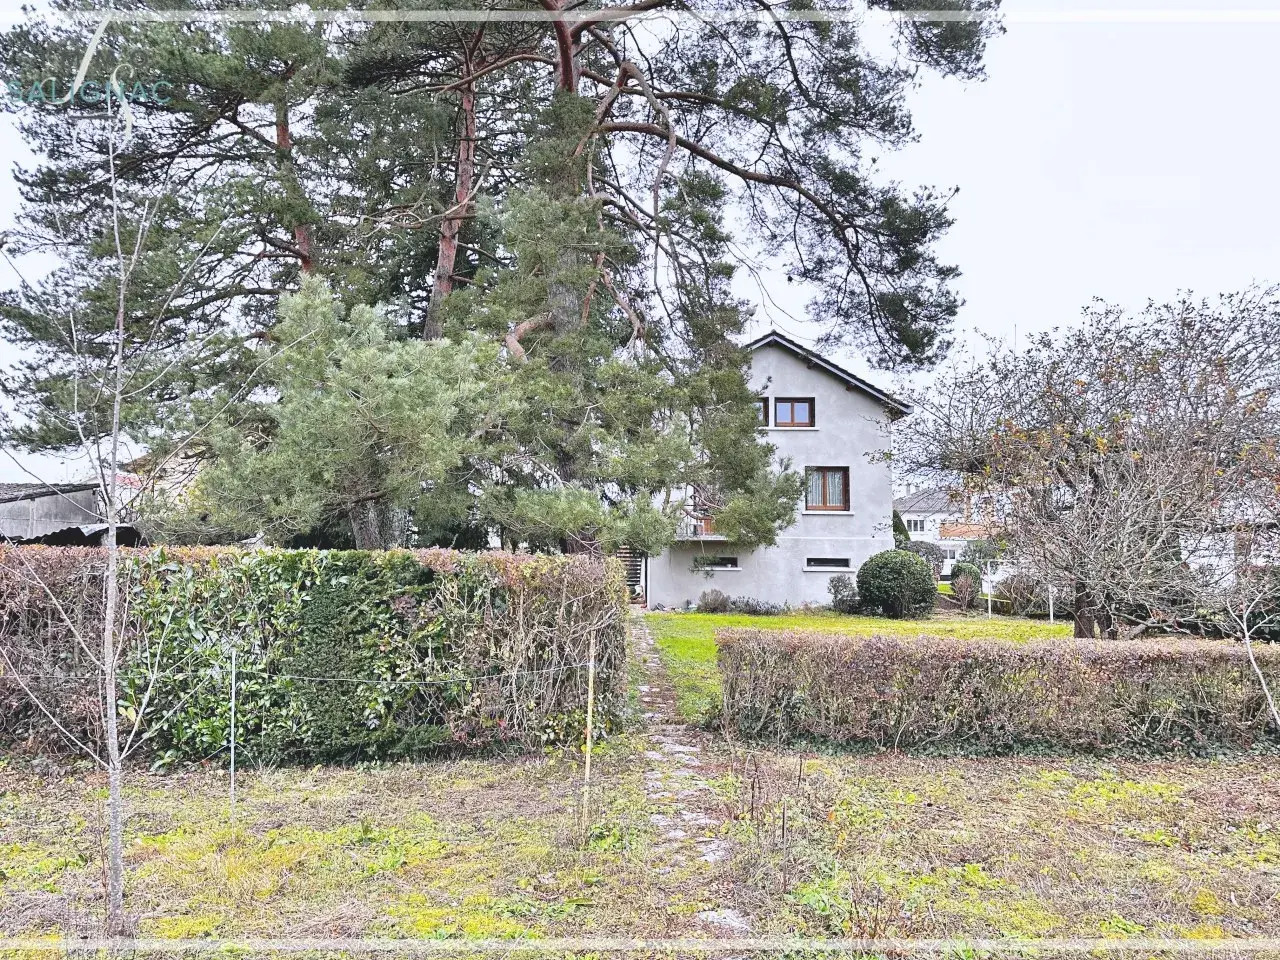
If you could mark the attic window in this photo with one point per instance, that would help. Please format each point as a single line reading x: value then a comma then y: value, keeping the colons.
x: 793, y: 412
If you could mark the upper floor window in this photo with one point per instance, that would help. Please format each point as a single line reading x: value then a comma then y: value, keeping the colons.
x: 762, y: 410
x: 915, y: 525
x: 793, y: 412
x: 827, y: 488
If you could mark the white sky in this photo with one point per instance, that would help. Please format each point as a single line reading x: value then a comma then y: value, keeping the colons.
x: 1100, y: 158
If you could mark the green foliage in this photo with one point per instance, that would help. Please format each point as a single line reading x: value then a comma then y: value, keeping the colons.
x: 979, y: 551
x: 991, y: 696
x: 963, y: 568
x: 901, y: 535
x: 931, y: 552
x: 361, y: 422
x: 349, y: 654
x: 844, y: 593
x: 898, y: 584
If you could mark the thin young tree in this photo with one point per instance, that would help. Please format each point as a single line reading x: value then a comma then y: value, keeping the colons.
x: 110, y: 360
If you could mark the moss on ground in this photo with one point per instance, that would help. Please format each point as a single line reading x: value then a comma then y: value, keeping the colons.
x: 894, y: 845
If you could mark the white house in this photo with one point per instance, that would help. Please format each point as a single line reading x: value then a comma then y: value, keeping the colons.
x: 833, y: 426
x: 939, y: 517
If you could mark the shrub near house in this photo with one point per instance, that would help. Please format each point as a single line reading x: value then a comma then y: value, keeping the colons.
x: 898, y: 584
x: 341, y: 654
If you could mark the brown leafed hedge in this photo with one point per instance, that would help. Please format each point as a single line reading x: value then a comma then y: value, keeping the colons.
x: 340, y: 654
x: 995, y: 696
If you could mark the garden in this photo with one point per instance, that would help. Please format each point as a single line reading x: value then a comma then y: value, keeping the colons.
x: 737, y: 788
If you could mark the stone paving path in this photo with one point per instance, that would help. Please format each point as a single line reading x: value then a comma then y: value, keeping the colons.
x: 683, y: 807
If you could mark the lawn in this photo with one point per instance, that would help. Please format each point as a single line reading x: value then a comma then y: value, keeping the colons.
x: 688, y: 646
x: 820, y: 846
x: 482, y: 848
x: 892, y: 845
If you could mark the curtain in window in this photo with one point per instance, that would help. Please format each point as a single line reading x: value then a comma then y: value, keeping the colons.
x: 835, y: 488
x: 814, y: 496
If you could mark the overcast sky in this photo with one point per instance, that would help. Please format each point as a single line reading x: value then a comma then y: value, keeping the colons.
x: 1100, y: 158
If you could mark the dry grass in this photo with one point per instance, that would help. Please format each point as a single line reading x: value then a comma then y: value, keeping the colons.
x: 899, y: 846
x: 490, y: 848
x: 481, y: 848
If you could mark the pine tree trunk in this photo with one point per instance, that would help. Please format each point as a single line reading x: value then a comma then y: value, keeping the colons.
x: 377, y: 526
x: 284, y: 146
x: 451, y: 225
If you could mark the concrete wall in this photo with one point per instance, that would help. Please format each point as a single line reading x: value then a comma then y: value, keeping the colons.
x: 851, y: 430
x: 40, y: 515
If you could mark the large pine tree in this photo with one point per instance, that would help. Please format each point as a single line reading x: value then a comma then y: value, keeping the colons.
x: 571, y: 189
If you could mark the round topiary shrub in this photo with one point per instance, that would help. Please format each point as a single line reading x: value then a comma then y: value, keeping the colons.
x: 898, y: 584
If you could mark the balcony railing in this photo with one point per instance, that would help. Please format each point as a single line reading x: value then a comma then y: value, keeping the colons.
x: 696, y: 528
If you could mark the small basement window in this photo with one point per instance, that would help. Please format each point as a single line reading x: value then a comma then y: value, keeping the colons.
x: 827, y: 563
x: 715, y: 563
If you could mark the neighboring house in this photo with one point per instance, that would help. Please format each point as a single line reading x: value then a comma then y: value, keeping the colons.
x: 61, y: 514
x: 938, y: 516
x: 835, y: 428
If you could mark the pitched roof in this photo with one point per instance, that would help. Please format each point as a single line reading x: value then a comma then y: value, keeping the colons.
x: 9, y: 492
x: 896, y: 407
x: 930, y: 500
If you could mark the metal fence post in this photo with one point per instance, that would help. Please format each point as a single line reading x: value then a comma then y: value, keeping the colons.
x: 233, y: 733
x: 591, y: 701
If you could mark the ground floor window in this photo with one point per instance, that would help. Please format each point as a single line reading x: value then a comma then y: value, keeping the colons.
x: 827, y: 563
x: 715, y: 563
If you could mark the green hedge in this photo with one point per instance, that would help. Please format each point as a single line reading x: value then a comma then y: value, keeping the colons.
x: 340, y: 654
x: 995, y: 696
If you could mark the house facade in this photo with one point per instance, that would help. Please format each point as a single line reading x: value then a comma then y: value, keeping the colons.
x: 835, y: 428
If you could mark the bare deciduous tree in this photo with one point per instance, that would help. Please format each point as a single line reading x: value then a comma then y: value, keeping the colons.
x: 1115, y: 451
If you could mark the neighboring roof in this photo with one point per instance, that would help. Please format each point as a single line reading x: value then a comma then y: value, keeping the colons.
x: 9, y: 492
x: 965, y: 531
x: 934, y: 500
x: 773, y: 338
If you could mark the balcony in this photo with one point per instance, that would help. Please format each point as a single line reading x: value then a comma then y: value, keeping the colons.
x: 696, y: 528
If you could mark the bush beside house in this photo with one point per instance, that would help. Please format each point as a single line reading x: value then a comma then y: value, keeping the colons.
x: 341, y: 654
x: 897, y: 584
x: 995, y: 696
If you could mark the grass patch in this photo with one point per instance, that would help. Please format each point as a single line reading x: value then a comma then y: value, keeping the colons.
x: 687, y: 641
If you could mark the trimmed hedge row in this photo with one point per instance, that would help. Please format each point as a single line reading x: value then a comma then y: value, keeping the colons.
x: 340, y: 654
x: 993, y: 696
